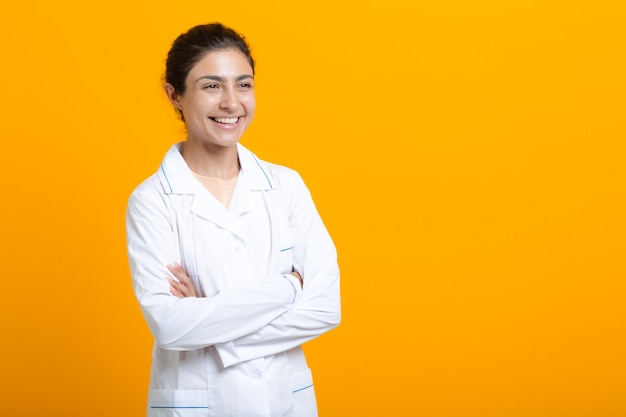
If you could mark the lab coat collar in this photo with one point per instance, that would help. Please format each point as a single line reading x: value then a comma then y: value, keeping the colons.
x: 177, y: 178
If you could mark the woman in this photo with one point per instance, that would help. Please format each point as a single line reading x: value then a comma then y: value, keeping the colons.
x: 252, y: 270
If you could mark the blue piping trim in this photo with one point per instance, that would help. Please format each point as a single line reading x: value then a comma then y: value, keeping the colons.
x: 261, y: 168
x: 286, y: 249
x: 154, y: 406
x: 166, y: 179
x: 301, y: 389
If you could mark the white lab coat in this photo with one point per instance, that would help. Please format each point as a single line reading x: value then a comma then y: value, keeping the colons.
x: 234, y: 350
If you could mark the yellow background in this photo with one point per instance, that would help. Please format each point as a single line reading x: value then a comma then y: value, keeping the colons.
x: 468, y: 158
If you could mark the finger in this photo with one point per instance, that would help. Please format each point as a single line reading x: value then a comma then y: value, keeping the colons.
x: 176, y: 293
x: 173, y: 288
x: 297, y: 275
x: 179, y: 273
x: 183, y: 282
x: 181, y: 290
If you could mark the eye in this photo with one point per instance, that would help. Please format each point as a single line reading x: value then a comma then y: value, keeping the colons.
x: 210, y: 86
x: 245, y: 85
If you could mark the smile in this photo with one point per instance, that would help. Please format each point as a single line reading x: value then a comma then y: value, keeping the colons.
x: 225, y: 120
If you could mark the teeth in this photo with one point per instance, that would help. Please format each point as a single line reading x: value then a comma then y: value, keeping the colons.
x: 226, y: 120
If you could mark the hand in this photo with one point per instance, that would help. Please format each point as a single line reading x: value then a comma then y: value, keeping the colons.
x: 297, y: 275
x: 184, y: 286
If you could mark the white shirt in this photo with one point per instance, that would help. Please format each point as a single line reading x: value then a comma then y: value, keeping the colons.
x: 234, y: 350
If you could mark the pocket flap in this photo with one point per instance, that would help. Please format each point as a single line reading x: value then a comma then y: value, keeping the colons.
x: 301, y: 380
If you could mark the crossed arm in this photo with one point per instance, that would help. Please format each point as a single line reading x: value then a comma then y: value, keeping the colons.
x: 241, y: 322
x: 182, y: 286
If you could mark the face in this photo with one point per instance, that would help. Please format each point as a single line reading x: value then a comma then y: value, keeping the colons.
x: 219, y: 101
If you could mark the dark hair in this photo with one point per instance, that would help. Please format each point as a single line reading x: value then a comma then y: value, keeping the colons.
x: 191, y: 46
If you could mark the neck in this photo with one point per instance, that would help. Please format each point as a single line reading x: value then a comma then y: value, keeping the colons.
x: 211, y: 161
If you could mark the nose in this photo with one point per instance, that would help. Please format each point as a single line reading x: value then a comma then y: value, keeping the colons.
x: 229, y: 100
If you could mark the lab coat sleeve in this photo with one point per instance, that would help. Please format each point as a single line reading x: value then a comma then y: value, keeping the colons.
x: 318, y: 309
x: 190, y: 323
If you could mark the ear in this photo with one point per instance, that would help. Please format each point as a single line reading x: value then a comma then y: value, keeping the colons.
x: 173, y: 96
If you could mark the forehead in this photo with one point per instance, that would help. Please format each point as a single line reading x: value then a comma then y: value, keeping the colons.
x: 221, y: 62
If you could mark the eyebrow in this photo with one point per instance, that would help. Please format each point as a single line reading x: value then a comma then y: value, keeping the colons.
x: 222, y: 79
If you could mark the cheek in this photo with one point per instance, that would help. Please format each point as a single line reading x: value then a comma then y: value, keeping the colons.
x: 199, y: 106
x: 250, y: 104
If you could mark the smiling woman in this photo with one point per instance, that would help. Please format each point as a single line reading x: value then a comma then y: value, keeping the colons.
x: 218, y: 106
x: 252, y: 270
x: 218, y: 102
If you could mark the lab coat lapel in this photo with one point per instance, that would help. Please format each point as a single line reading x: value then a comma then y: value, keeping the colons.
x: 206, y: 206
x: 254, y: 178
x: 178, y: 180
